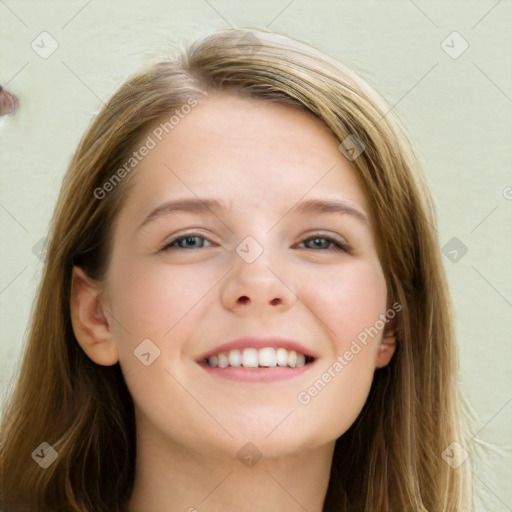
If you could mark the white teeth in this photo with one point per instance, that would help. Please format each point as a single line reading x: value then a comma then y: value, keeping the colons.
x: 223, y: 360
x: 292, y: 358
x: 282, y: 357
x: 250, y: 358
x: 266, y: 357
x: 235, y: 358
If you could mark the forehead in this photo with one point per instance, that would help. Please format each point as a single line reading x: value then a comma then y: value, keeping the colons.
x: 250, y: 151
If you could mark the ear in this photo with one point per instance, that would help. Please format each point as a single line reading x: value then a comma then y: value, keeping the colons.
x: 90, y: 325
x: 387, y: 345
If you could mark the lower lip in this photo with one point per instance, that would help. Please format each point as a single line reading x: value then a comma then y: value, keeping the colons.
x: 241, y: 373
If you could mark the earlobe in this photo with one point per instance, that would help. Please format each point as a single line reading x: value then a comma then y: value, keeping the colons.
x: 90, y: 324
x: 385, y: 353
x: 387, y: 346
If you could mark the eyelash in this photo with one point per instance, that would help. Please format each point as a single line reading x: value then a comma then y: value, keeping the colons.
x: 338, y: 246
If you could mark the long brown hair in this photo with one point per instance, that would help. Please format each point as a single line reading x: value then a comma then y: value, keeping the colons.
x: 391, y: 459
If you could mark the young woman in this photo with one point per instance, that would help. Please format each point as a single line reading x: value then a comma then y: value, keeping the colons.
x: 243, y: 304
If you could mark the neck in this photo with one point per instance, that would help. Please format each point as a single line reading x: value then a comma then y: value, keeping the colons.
x: 170, y: 478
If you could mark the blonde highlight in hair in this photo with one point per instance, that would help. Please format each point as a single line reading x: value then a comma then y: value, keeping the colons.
x: 391, y: 458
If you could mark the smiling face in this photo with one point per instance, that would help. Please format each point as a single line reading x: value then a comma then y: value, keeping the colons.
x: 256, y: 262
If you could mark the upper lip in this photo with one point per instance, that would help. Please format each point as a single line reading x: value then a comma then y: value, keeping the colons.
x: 259, y: 342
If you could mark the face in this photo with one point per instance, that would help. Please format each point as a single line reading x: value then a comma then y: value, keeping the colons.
x: 256, y: 264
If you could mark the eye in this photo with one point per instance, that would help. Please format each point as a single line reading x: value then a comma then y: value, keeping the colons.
x: 325, y: 243
x: 196, y: 241
x: 188, y: 241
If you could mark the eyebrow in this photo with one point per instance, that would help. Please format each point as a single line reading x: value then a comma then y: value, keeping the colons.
x: 331, y: 206
x: 208, y: 205
x: 191, y: 205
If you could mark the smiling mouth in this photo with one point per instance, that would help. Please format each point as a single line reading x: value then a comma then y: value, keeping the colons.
x: 266, y: 357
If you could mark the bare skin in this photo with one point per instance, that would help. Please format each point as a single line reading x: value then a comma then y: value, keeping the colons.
x: 262, y: 160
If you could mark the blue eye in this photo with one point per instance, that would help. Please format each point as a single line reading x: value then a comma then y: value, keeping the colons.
x: 188, y: 242
x: 196, y: 241
x: 326, y: 243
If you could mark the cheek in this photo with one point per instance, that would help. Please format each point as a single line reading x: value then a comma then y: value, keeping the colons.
x: 349, y: 299
x: 150, y: 299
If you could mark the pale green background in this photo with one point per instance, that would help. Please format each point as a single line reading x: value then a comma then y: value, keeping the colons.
x: 457, y: 112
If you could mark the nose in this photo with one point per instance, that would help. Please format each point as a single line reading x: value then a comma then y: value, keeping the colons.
x: 258, y: 285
